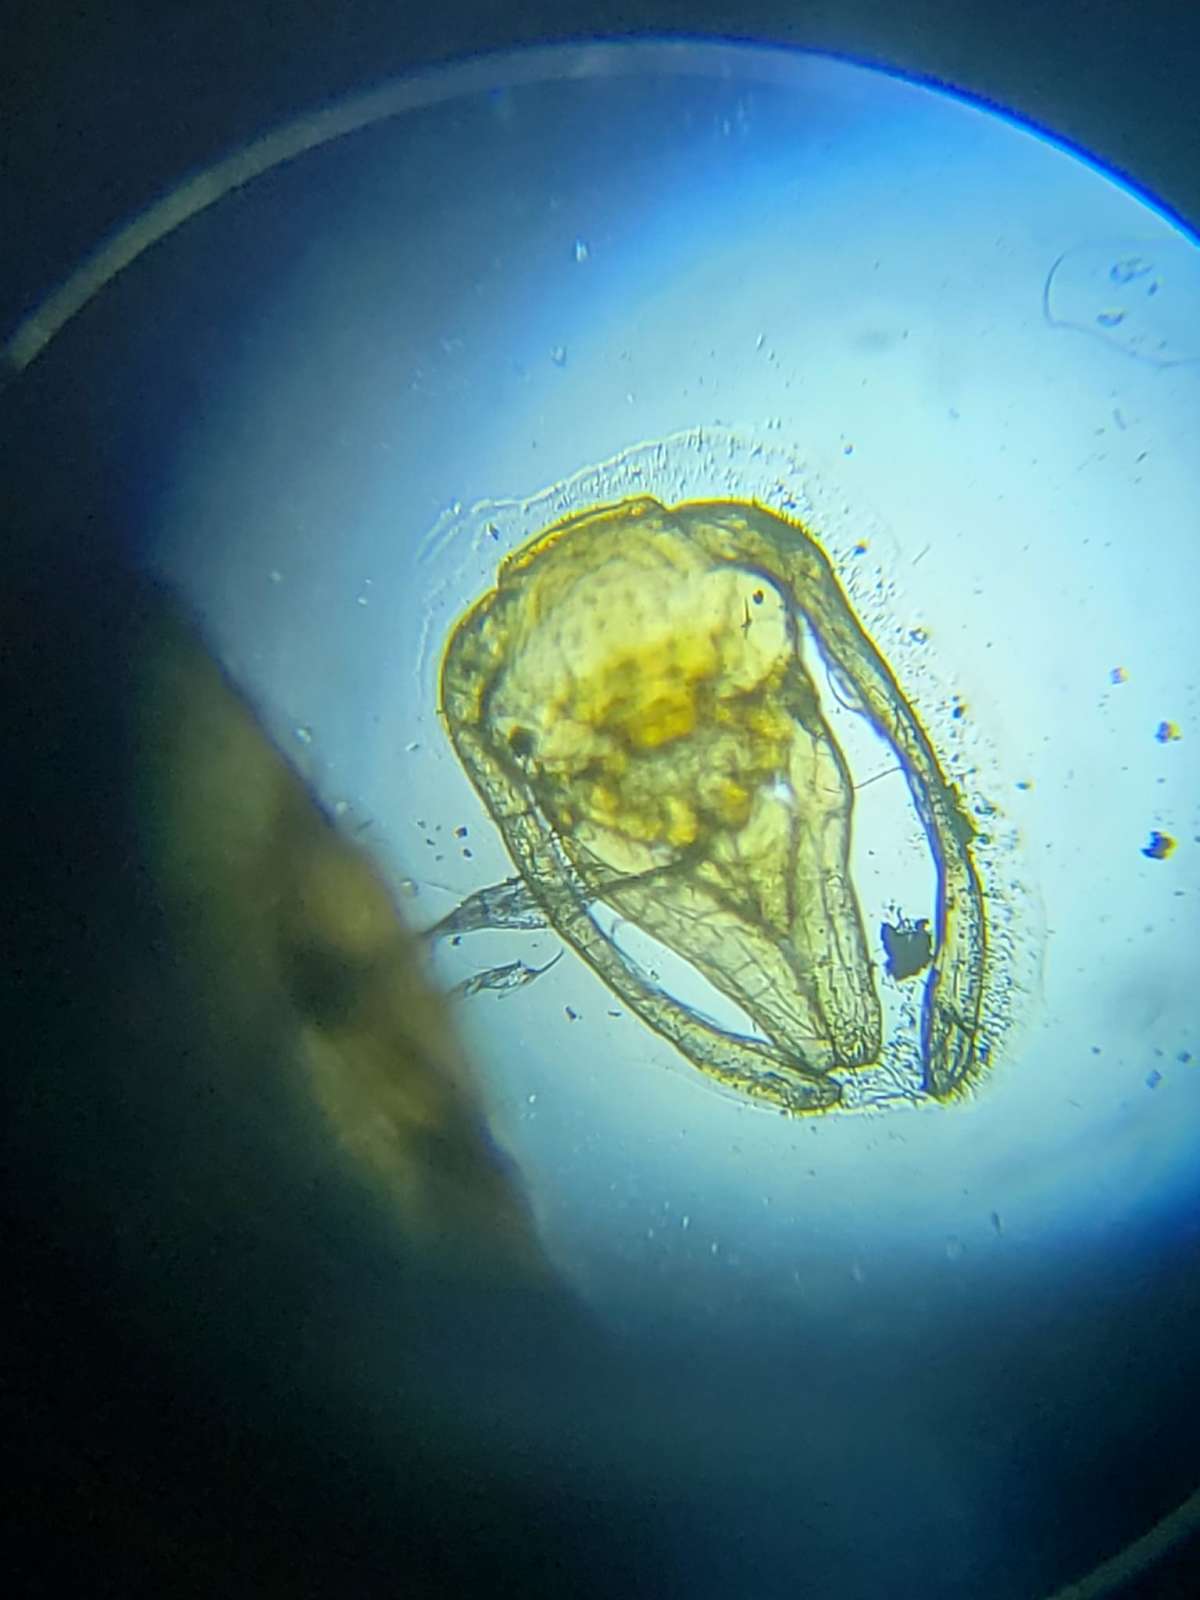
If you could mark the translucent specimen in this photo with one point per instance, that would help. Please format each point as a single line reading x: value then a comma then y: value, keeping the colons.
x: 632, y: 703
x: 513, y: 975
x: 1138, y: 297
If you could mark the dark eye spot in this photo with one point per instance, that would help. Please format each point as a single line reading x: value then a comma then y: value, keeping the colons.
x: 520, y: 742
x: 757, y: 597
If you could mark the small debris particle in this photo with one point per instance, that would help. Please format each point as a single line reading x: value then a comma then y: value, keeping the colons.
x: 460, y: 833
x: 907, y: 947
x: 572, y: 1015
x: 1153, y: 1078
x: 1118, y: 675
x: 1167, y: 732
x: 997, y: 1225
x: 1160, y: 847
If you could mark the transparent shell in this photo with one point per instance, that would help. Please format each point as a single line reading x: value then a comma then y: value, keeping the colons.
x: 632, y: 703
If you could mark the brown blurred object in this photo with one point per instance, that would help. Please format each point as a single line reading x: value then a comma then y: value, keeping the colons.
x: 285, y: 931
x: 277, y: 1319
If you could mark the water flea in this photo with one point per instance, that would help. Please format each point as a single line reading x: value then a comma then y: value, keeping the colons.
x: 626, y: 728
